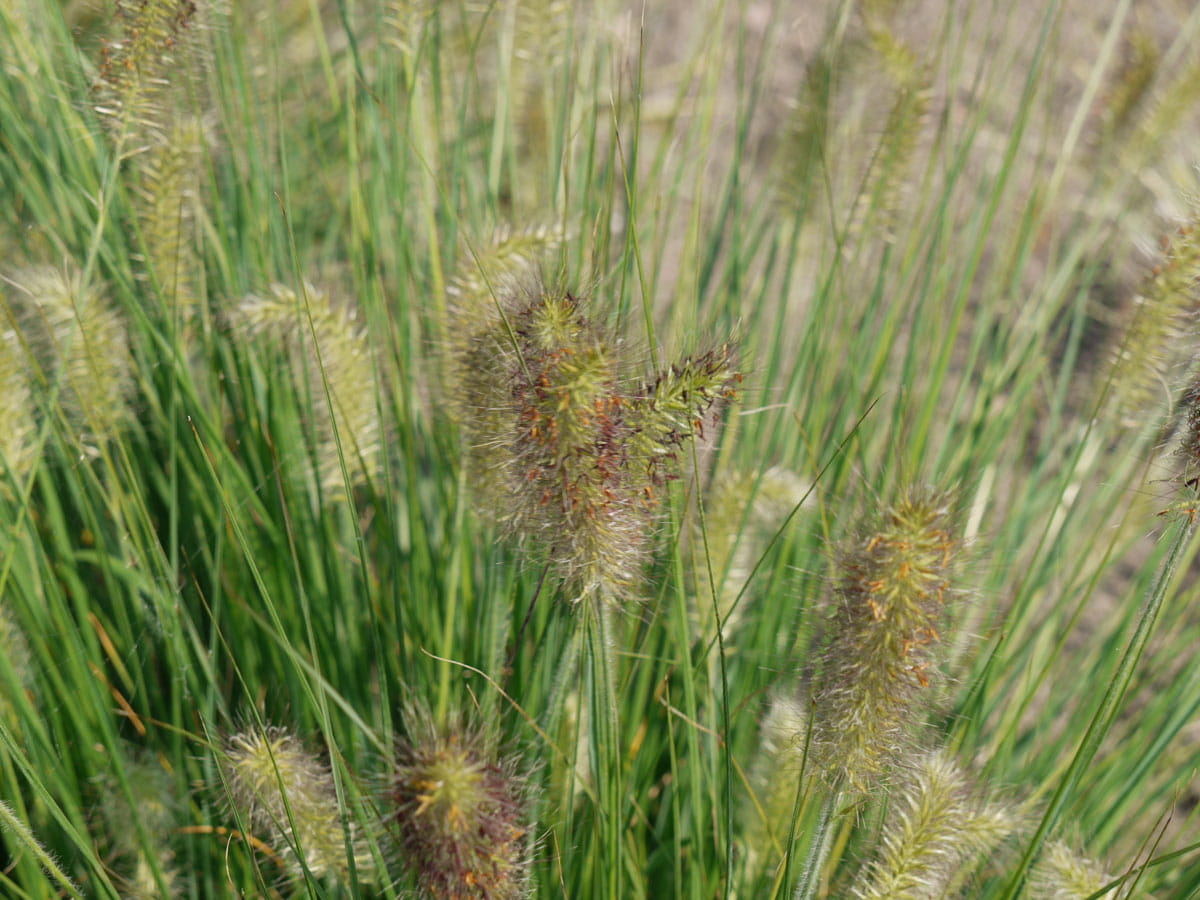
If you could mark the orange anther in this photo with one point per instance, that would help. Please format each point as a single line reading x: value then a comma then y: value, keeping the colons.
x: 919, y: 671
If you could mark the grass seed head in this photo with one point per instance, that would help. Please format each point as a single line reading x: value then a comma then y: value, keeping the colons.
x: 14, y: 648
x: 775, y: 780
x: 136, y: 828
x: 562, y: 451
x: 325, y: 346
x: 743, y: 514
x: 881, y: 652
x: 152, y: 40
x: 1152, y: 346
x: 286, y: 794
x: 568, y: 452
x: 1189, y: 443
x: 938, y: 826
x: 460, y: 813
x: 1062, y: 874
x: 17, y: 441
x: 76, y: 348
x: 166, y: 202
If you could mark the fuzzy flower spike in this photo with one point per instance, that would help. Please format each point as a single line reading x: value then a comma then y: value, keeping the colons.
x: 564, y: 449
x: 325, y: 346
x: 460, y: 814
x: 881, y: 656
x: 286, y: 794
x: 939, y: 825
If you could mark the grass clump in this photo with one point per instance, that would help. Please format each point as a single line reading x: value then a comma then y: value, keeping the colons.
x: 678, y: 303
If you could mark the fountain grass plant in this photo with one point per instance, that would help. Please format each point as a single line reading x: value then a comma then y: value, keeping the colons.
x: 729, y: 450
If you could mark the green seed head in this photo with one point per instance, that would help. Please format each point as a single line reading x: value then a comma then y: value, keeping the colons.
x: 152, y: 41
x: 1150, y: 349
x: 938, y: 826
x: 1062, y: 874
x: 17, y: 657
x: 286, y: 794
x: 76, y: 349
x: 325, y: 347
x: 17, y: 442
x: 136, y: 828
x: 775, y: 781
x: 743, y: 514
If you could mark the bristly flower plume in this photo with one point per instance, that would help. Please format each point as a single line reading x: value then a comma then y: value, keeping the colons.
x: 1188, y: 450
x: 1149, y: 350
x: 166, y: 202
x: 1062, y: 874
x: 17, y: 443
x: 774, y: 781
x: 743, y: 513
x: 938, y: 826
x: 17, y: 657
x: 880, y: 656
x: 136, y: 828
x: 77, y: 349
x: 149, y: 90
x: 460, y: 813
x: 478, y: 344
x: 563, y: 447
x: 286, y: 794
x: 153, y: 40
